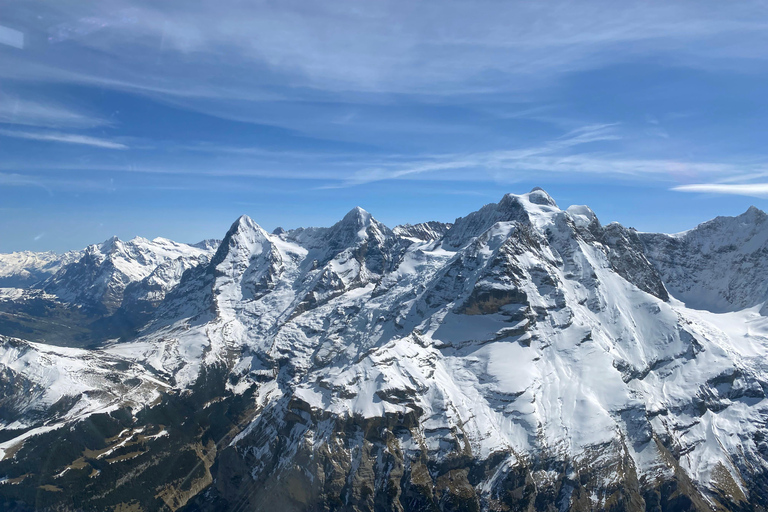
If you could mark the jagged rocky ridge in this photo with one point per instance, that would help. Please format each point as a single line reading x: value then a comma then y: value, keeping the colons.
x: 522, y: 358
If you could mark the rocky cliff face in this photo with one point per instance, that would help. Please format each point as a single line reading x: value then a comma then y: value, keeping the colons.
x: 524, y: 357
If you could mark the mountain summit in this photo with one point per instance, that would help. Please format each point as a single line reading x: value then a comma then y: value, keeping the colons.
x: 523, y: 357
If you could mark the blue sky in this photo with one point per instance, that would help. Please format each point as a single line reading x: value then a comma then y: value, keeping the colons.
x: 173, y: 118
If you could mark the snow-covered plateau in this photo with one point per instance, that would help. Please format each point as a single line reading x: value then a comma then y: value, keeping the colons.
x: 523, y: 357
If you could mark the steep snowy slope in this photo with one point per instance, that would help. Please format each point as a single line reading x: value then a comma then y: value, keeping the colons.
x: 44, y: 386
x: 424, y: 231
x: 523, y: 358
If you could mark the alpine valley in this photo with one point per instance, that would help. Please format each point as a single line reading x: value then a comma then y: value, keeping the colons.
x: 524, y: 358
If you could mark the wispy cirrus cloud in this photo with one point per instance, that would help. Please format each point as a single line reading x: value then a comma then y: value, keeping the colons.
x: 333, y: 70
x: 572, y: 157
x: 745, y: 189
x: 15, y: 109
x: 170, y: 48
x: 66, y: 138
x: 511, y: 166
x: 11, y: 37
x: 558, y: 156
x: 52, y: 183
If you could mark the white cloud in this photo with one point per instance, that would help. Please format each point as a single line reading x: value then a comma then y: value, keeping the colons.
x: 51, y: 182
x: 18, y: 179
x: 553, y: 157
x: 535, y: 163
x: 22, y: 111
x: 11, y: 37
x: 745, y: 189
x: 571, y: 157
x: 331, y: 69
x: 404, y: 46
x: 67, y: 138
x: 395, y: 46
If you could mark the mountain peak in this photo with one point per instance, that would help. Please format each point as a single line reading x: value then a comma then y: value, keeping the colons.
x: 244, y: 221
x: 359, y: 216
x: 242, y: 237
x: 754, y: 213
x: 582, y: 215
x: 244, y: 227
x: 209, y: 244
x: 539, y: 196
x: 509, y: 199
x: 109, y: 244
x: 354, y: 225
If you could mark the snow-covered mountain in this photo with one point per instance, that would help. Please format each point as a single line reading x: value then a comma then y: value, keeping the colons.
x: 105, y: 291
x: 524, y: 357
x: 719, y: 266
x: 26, y: 268
x: 102, y: 274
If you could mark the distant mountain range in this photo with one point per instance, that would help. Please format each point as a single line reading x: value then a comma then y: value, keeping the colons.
x: 523, y: 357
